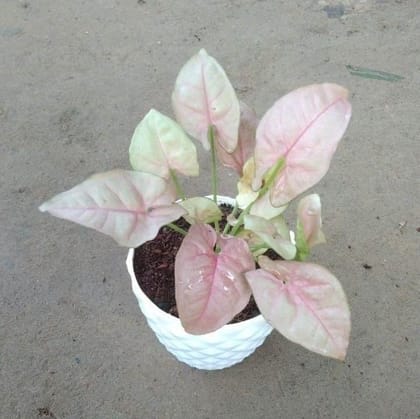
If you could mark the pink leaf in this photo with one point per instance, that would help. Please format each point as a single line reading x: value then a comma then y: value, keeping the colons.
x: 309, y: 219
x: 128, y: 206
x: 210, y: 287
x: 305, y: 303
x: 202, y: 97
x: 303, y: 127
x: 246, y: 141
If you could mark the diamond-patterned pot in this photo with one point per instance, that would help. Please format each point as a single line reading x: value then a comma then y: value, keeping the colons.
x: 223, y: 348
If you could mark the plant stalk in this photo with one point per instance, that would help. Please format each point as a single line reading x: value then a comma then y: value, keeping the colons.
x: 210, y: 136
x: 177, y: 229
x: 233, y: 213
x: 240, y: 221
x: 179, y: 191
x: 270, y: 177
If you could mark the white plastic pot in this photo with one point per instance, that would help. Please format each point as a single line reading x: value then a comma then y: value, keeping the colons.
x: 223, y: 348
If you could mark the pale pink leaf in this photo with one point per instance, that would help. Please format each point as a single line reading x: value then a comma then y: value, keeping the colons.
x: 309, y: 218
x: 126, y: 205
x: 303, y: 127
x: 246, y: 195
x: 160, y: 145
x: 246, y: 141
x: 261, y: 207
x: 305, y: 303
x: 203, y: 96
x: 210, y: 287
x: 201, y: 210
x: 273, y: 234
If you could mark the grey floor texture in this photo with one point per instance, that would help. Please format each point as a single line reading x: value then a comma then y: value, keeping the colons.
x: 76, y: 78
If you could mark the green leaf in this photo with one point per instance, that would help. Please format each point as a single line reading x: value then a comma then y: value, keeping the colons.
x: 201, y: 210
x: 272, y: 233
x: 160, y: 145
x: 369, y: 73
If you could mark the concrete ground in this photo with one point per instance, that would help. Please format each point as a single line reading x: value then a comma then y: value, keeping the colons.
x: 76, y: 77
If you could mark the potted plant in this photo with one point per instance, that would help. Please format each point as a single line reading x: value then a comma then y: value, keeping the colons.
x: 223, y: 260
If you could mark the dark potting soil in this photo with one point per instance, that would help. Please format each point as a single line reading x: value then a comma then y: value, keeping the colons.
x: 154, y: 263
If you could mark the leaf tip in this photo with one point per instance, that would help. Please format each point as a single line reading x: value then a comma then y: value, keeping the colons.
x: 43, y: 207
x: 339, y: 355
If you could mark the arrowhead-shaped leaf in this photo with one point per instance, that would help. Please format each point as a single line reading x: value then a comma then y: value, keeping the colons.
x: 309, y: 221
x: 246, y: 194
x: 204, y: 97
x: 128, y: 206
x: 272, y: 234
x: 159, y: 145
x: 305, y: 303
x: 261, y: 207
x: 201, y: 210
x: 210, y: 287
x: 246, y: 141
x: 303, y: 127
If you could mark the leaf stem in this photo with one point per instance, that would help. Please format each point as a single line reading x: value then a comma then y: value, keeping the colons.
x: 233, y: 214
x: 210, y: 136
x: 177, y: 229
x: 179, y: 191
x: 240, y: 221
x: 270, y: 176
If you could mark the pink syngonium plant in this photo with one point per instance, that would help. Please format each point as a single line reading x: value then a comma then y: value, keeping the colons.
x: 277, y: 159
